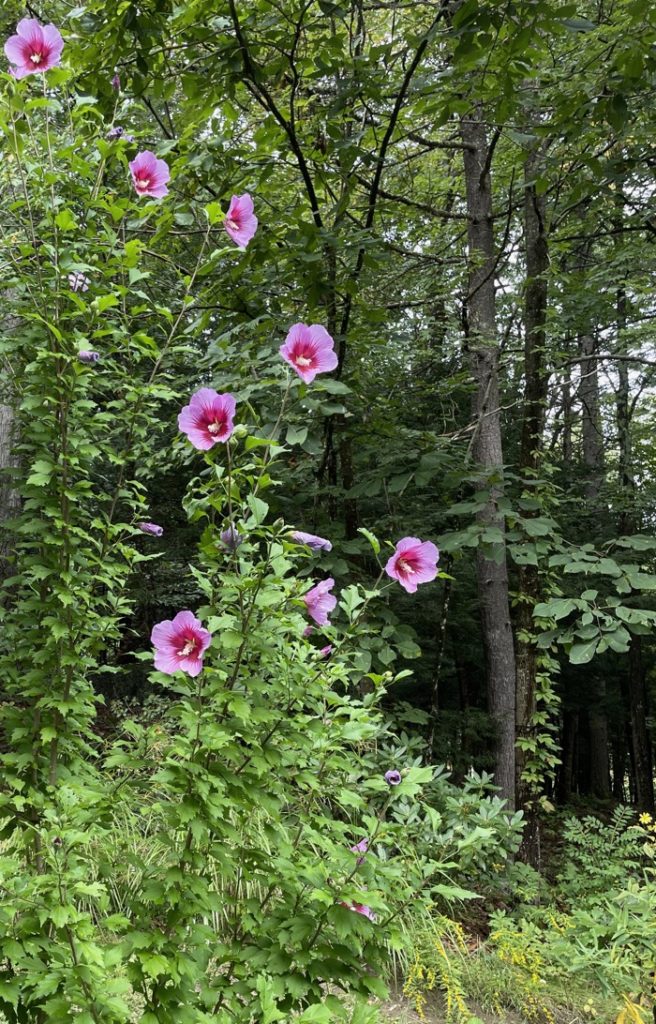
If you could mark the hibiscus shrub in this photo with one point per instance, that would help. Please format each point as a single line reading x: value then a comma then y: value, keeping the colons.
x: 279, y: 857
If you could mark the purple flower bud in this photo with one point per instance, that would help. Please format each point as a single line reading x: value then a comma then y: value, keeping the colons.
x: 392, y: 777
x: 151, y: 528
x: 116, y: 82
x: 78, y: 282
x: 231, y: 539
x: 326, y: 651
x: 88, y: 357
x: 312, y: 541
x: 117, y: 132
x: 308, y: 631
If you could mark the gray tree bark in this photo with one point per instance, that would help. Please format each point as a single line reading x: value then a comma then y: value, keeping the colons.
x: 9, y: 497
x: 593, y: 459
x: 534, y: 403
x: 482, y: 345
x: 636, y: 688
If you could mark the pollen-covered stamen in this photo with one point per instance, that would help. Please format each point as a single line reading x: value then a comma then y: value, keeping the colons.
x: 303, y: 360
x: 36, y: 58
x: 142, y: 182
x: 232, y: 224
x: 405, y: 566
x: 215, y: 427
x: 189, y: 647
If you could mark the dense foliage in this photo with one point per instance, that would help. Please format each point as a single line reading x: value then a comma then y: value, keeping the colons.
x: 383, y: 272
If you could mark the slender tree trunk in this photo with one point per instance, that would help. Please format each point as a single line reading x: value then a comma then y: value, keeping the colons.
x: 535, y: 396
x: 593, y: 459
x: 491, y: 567
x: 636, y: 684
x: 566, y: 773
x: 9, y: 498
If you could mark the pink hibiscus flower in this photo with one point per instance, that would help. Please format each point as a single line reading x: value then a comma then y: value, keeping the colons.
x: 413, y: 562
x: 360, y: 908
x: 309, y: 350
x: 35, y: 48
x: 180, y: 644
x: 319, y: 602
x: 149, y: 174
x: 240, y: 221
x: 208, y: 418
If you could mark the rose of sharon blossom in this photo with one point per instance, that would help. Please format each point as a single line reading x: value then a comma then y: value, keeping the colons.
x: 88, y: 357
x: 180, y: 644
x: 78, y: 282
x: 35, y: 48
x: 392, y: 777
x: 240, y: 221
x: 312, y: 541
x: 151, y: 528
x: 149, y: 174
x: 413, y: 562
x: 208, y: 418
x: 231, y: 539
x: 360, y: 908
x: 361, y: 848
x: 320, y: 602
x: 309, y: 350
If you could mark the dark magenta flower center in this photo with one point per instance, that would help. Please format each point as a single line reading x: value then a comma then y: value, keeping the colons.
x: 406, y: 565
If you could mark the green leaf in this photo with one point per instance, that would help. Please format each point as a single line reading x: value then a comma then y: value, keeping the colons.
x: 296, y: 435
x: 580, y: 654
x: 371, y: 537
x: 65, y: 220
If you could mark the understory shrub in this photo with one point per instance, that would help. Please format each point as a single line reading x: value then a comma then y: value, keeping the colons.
x: 247, y: 854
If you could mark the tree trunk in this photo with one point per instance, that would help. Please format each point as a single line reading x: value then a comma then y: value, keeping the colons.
x: 491, y: 568
x: 535, y: 396
x: 9, y: 498
x: 636, y: 684
x: 593, y: 459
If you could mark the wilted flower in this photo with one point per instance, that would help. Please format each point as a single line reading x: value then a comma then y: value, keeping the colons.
x: 151, y: 528
x: 309, y: 350
x: 413, y: 562
x: 180, y: 644
x: 208, y: 418
x: 319, y: 602
x: 88, y: 357
x: 116, y: 82
x: 117, y: 132
x: 78, y: 282
x: 240, y: 221
x: 35, y: 48
x: 231, y: 539
x: 392, y: 777
x: 149, y: 174
x: 312, y: 541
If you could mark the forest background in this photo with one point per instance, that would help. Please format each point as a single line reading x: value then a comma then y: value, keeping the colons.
x: 462, y: 194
